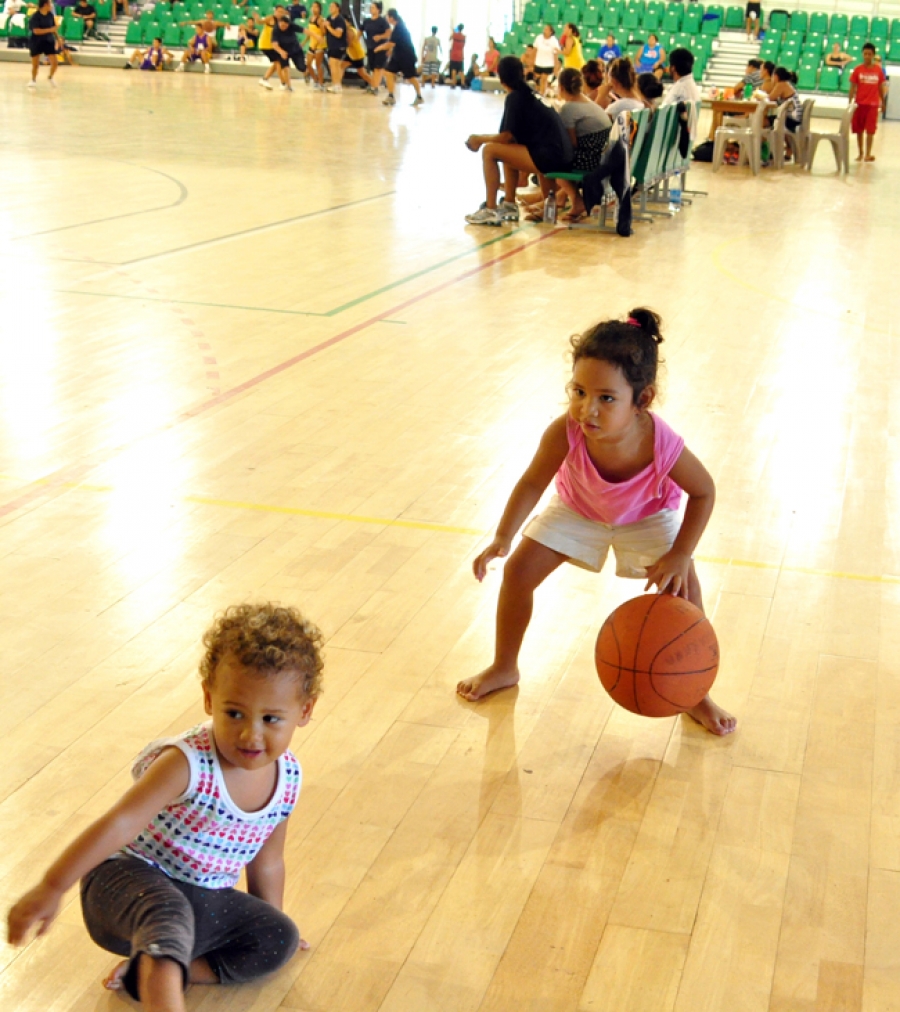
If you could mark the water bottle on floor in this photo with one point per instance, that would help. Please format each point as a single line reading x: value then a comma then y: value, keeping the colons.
x: 675, y: 195
x: 550, y: 209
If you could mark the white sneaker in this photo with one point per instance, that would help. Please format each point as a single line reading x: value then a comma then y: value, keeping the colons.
x: 334, y: 89
x: 484, y: 216
x: 179, y: 69
x: 263, y: 83
x: 390, y: 100
x: 205, y: 68
x: 318, y: 87
x: 286, y: 87
x: 32, y: 84
x: 51, y: 82
x: 507, y: 211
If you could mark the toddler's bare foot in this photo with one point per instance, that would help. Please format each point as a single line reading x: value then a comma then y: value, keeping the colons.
x: 870, y: 158
x: 490, y: 680
x: 713, y: 717
x: 113, y: 980
x: 859, y: 158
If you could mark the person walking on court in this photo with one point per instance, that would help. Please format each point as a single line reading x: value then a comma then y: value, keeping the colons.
x: 868, y: 89
x: 402, y: 58
x: 42, y: 41
x: 619, y: 471
x: 376, y: 30
x: 336, y: 38
x: 287, y: 46
x: 431, y: 58
x: 457, y: 66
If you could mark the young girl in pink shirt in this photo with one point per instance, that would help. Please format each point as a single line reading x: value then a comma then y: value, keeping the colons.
x: 620, y: 471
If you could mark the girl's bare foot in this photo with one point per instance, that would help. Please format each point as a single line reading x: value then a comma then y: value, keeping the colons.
x: 713, y: 717
x: 870, y: 158
x: 113, y: 980
x: 490, y: 680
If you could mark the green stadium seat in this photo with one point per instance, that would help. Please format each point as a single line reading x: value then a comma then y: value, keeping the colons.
x: 652, y: 21
x: 187, y: 33
x: 591, y: 18
x: 532, y: 14
x: 133, y: 34
x: 73, y: 30
x: 734, y: 18
x: 839, y: 25
x: 672, y: 18
x: 859, y: 25
x: 572, y: 13
x: 790, y: 61
x: 149, y: 32
x: 807, y: 78
x: 829, y: 79
x: 712, y: 20
x: 146, y: 15
x: 895, y: 30
x: 893, y: 52
x: 879, y: 30
x: 171, y: 35
x: 818, y: 23
x: 692, y: 19
x: 845, y: 80
x: 778, y: 21
x: 799, y: 21
x: 622, y: 37
x: 611, y: 20
x: 553, y: 13
x: 768, y: 49
x: 104, y: 10
x: 632, y: 19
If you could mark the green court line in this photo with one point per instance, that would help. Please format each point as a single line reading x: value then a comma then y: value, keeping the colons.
x: 298, y: 312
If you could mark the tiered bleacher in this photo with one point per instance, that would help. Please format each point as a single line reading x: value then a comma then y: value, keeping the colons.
x: 798, y: 40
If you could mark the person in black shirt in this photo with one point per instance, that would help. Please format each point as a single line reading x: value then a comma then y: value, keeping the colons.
x: 87, y: 13
x: 532, y: 138
x: 42, y: 41
x: 336, y: 39
x: 376, y: 30
x: 298, y: 12
x: 402, y: 59
x: 287, y: 46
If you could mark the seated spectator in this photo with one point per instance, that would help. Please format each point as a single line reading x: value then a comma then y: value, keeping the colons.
x: 784, y: 91
x: 768, y: 77
x: 624, y: 90
x: 153, y: 58
x: 593, y: 73
x: 248, y: 36
x: 473, y: 71
x: 199, y: 48
x: 610, y: 50
x: 528, y: 62
x: 491, y: 59
x: 752, y: 76
x: 88, y: 14
x: 116, y: 5
x: 685, y: 88
x: 650, y: 88
x: 532, y: 139
x: 588, y: 127
x: 652, y: 59
x: 837, y: 57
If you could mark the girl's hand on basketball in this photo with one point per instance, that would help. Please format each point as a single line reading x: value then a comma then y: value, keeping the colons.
x: 39, y: 905
x: 497, y: 549
x: 670, y: 574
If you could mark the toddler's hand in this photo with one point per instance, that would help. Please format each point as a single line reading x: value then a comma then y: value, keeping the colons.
x: 40, y: 904
x: 473, y: 143
x: 670, y: 573
x: 497, y: 549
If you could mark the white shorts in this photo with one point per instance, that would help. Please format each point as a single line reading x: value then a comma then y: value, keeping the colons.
x: 586, y: 543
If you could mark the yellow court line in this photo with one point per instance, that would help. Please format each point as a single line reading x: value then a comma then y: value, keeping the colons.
x: 424, y: 525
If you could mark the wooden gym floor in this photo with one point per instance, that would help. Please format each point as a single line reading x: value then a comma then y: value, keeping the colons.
x: 251, y: 351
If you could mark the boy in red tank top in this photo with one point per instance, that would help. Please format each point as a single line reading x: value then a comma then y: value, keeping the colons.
x: 868, y: 88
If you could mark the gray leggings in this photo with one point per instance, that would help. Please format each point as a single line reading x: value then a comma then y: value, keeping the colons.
x: 131, y: 908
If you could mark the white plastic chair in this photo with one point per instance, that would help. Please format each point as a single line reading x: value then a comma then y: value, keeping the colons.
x: 749, y: 138
x: 840, y: 141
x: 802, y: 133
x: 779, y: 135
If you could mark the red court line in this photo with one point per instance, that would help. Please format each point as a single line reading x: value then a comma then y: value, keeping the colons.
x: 228, y: 395
x: 65, y: 475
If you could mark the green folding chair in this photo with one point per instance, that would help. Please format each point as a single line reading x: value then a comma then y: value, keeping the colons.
x: 799, y: 22
x: 829, y: 79
x: 692, y: 19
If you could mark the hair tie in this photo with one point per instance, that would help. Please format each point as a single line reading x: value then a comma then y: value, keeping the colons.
x: 632, y: 321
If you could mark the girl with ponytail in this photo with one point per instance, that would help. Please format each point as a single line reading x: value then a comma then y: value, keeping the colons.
x: 619, y: 472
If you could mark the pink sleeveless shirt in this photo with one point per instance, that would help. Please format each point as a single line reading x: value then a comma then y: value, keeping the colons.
x: 581, y: 488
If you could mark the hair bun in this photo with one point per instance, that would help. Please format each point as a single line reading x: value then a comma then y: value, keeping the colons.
x: 648, y: 321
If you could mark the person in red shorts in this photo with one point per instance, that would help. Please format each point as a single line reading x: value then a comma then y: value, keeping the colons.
x: 868, y: 88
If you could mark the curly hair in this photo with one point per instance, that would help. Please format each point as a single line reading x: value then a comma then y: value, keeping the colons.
x: 268, y: 638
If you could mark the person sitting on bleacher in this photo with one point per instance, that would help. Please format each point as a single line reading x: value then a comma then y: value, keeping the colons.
x: 837, y: 57
x: 768, y: 77
x: 206, y: 26
x: 610, y: 50
x: 588, y: 126
x: 652, y: 59
x: 752, y: 76
x: 685, y: 89
x: 248, y: 36
x: 116, y: 4
x: 650, y: 89
x: 594, y: 73
x: 202, y: 44
x: 532, y: 139
x: 88, y: 14
x: 153, y: 59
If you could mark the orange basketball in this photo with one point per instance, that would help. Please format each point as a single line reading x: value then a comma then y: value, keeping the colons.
x: 657, y: 655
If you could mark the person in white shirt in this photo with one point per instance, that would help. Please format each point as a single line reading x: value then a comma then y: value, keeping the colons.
x: 685, y: 88
x: 546, y: 57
